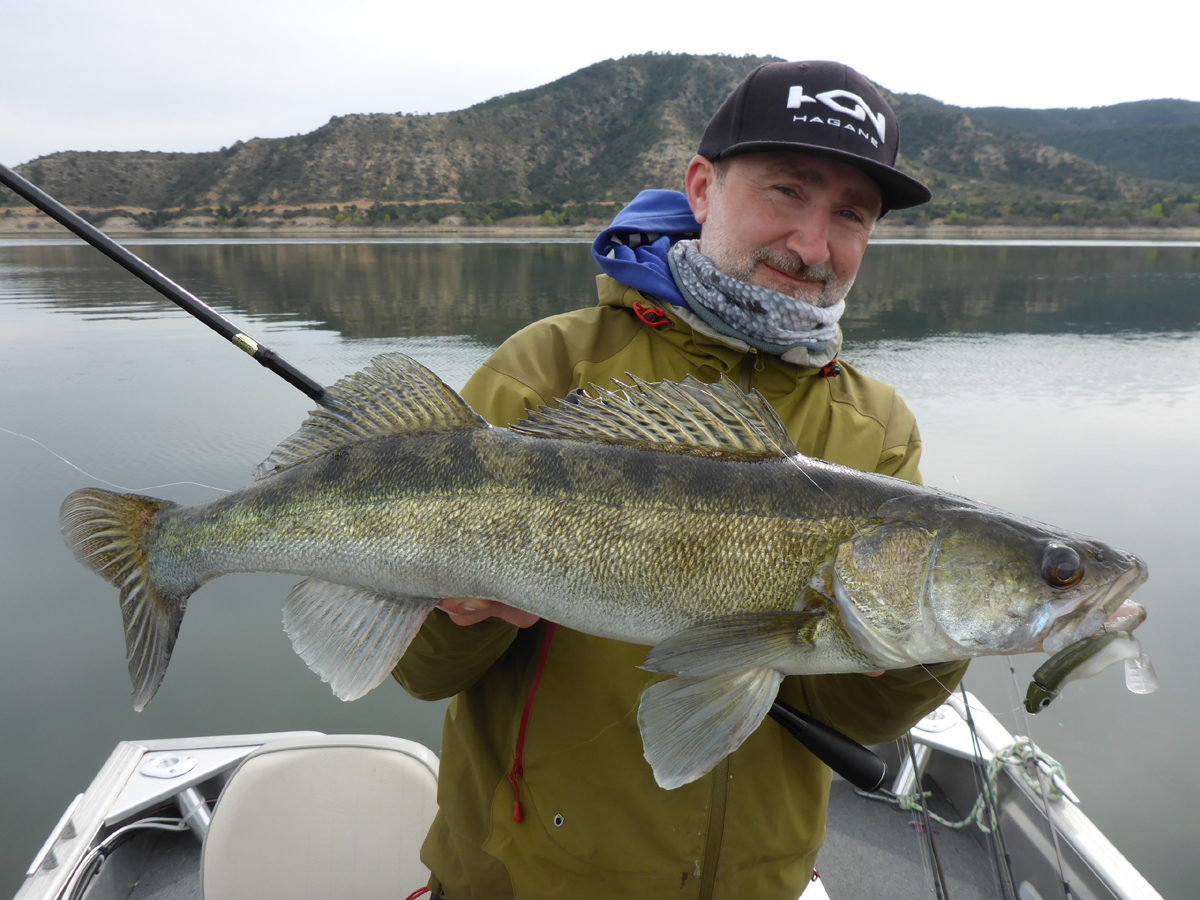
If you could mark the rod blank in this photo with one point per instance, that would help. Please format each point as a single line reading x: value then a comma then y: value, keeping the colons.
x: 160, y: 282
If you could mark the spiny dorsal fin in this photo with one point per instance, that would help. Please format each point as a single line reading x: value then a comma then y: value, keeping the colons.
x: 393, y: 395
x: 688, y: 416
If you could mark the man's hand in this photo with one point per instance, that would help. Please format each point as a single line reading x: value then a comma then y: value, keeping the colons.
x: 468, y: 612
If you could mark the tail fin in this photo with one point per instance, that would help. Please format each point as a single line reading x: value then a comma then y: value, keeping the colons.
x: 106, y: 532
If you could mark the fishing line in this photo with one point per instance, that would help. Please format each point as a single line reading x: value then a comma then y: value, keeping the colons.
x: 1001, y: 867
x: 919, y: 832
x: 997, y: 849
x: 933, y: 865
x: 796, y: 462
x: 119, y: 487
x: 1043, y: 783
x: 950, y: 690
x: 941, y: 684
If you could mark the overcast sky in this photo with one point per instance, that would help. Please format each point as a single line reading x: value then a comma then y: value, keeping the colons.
x: 167, y: 75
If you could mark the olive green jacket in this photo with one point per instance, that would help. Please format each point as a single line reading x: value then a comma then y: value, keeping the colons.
x: 595, y: 824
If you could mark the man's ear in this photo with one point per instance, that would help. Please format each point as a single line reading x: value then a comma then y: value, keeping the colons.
x: 700, y: 182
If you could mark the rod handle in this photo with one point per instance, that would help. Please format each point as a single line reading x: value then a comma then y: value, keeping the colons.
x: 848, y: 758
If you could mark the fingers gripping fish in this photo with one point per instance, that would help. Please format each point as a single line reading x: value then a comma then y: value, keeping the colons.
x: 678, y: 516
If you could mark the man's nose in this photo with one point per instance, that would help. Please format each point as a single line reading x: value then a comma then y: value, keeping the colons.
x: 809, y: 239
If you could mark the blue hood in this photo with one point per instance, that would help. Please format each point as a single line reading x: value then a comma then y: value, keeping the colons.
x: 633, y: 249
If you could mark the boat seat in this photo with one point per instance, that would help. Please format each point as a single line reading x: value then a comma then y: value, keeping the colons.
x: 320, y: 817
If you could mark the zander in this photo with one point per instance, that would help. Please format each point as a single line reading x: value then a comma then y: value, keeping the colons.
x: 678, y: 516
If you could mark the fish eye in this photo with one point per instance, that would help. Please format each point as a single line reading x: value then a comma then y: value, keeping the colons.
x: 1061, y: 566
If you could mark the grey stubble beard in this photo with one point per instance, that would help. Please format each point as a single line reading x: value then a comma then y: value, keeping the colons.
x: 736, y: 263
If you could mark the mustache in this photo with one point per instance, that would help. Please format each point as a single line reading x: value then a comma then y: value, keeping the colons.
x: 790, y: 264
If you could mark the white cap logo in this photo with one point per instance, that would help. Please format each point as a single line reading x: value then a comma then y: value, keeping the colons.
x: 859, y: 110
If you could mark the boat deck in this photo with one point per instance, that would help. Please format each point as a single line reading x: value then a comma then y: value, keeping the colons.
x: 872, y: 848
x: 163, y: 865
x: 871, y: 851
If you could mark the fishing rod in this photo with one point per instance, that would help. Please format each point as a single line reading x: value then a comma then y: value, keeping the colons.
x: 850, y: 759
x: 160, y: 282
x: 847, y: 757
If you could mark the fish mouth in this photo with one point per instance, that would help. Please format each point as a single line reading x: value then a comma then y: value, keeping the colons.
x: 1127, y: 618
x: 1110, y: 610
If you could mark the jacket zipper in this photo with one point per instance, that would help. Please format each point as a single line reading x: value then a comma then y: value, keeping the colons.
x: 716, y: 829
x: 749, y: 363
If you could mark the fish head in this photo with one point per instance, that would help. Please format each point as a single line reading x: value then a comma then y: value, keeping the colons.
x: 999, y: 583
x: 937, y: 577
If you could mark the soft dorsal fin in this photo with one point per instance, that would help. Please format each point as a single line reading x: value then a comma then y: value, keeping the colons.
x: 688, y: 416
x: 394, y: 395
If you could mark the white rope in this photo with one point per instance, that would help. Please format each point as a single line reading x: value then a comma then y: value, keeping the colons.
x: 1022, y: 754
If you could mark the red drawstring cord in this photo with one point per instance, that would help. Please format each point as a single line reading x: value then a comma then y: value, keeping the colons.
x: 518, y: 766
x: 419, y: 892
x: 654, y: 316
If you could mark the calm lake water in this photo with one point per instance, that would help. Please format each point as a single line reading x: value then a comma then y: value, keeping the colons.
x: 1061, y: 382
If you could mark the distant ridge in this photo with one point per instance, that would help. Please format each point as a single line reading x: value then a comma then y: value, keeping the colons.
x: 605, y: 132
x: 1155, y: 139
x: 601, y: 133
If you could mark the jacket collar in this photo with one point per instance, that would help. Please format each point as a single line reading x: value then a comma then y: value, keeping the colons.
x: 700, y: 343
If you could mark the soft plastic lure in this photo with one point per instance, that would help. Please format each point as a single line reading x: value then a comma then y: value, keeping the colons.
x: 1092, y: 655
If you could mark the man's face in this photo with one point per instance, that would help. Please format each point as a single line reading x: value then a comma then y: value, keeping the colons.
x: 790, y: 222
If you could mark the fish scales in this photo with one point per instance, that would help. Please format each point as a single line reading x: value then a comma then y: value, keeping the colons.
x: 678, y: 516
x: 668, y: 545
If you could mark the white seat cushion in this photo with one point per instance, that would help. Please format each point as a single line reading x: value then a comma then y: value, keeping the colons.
x: 323, y: 817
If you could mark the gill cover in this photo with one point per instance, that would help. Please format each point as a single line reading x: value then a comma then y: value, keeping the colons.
x: 879, y: 581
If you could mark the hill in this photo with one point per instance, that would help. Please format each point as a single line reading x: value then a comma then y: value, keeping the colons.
x: 1139, y: 114
x: 601, y: 133
x: 1149, y: 138
x: 579, y: 145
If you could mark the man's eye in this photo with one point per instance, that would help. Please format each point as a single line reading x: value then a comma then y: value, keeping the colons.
x: 786, y: 190
x: 850, y: 214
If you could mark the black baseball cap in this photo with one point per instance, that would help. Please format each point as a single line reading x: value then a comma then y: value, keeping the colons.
x: 818, y: 107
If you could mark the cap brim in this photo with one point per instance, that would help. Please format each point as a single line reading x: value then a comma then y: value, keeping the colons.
x: 899, y: 191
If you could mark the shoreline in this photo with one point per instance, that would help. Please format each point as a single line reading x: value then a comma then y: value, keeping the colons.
x: 35, y: 225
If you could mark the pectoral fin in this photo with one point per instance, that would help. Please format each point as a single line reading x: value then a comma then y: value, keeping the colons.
x: 735, y: 643
x: 352, y: 638
x: 689, y: 725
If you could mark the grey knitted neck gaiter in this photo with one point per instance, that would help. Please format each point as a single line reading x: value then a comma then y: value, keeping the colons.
x: 765, y: 319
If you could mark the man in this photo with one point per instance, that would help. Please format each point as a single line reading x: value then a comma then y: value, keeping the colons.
x: 544, y: 791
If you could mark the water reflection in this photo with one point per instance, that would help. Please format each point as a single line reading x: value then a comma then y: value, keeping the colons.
x: 913, y: 291
x: 489, y: 290
x: 1060, y: 383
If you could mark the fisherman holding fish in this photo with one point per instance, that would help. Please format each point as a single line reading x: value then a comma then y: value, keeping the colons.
x: 544, y: 791
x: 655, y: 564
